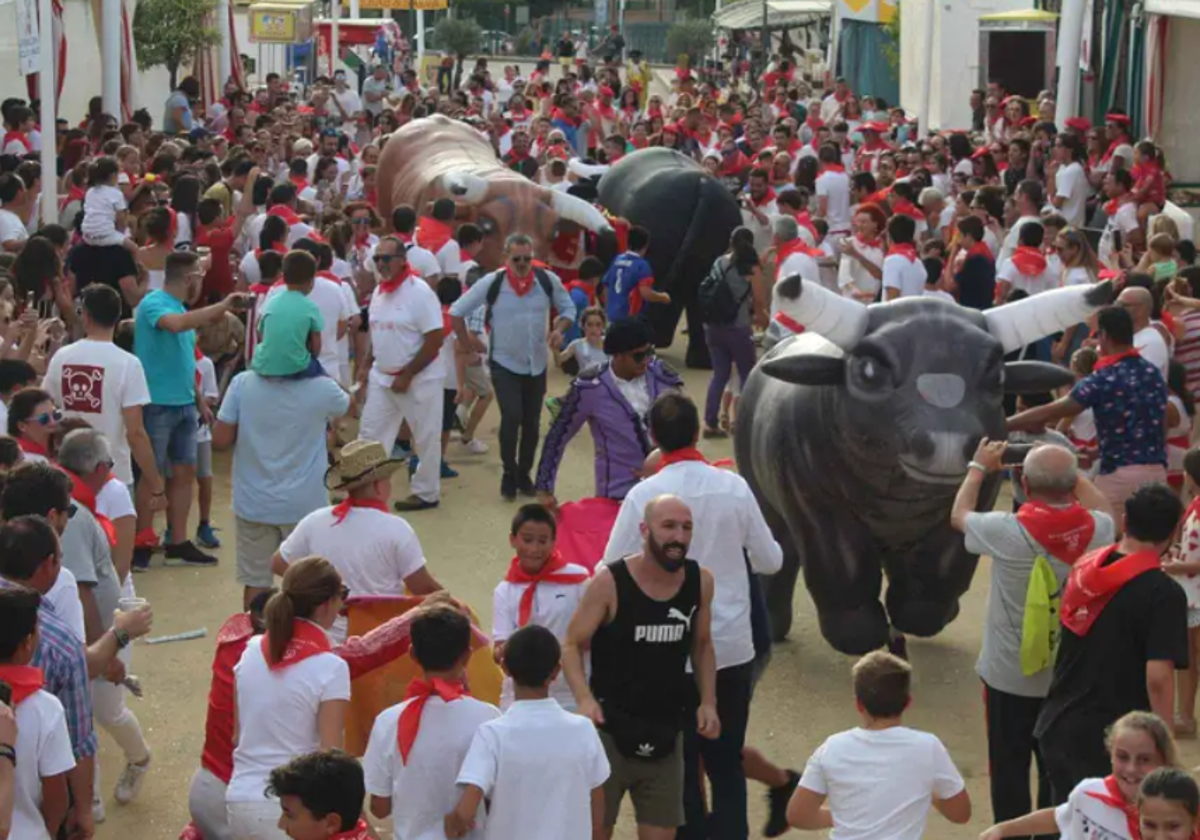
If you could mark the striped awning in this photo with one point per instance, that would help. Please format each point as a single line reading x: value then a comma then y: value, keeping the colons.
x: 781, y: 14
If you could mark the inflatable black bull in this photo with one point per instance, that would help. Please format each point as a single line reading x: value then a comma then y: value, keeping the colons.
x: 690, y: 215
x: 855, y: 436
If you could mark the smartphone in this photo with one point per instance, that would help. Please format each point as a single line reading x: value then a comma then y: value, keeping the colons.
x: 1117, y: 241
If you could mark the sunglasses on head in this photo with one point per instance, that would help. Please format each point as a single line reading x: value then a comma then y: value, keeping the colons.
x: 48, y: 417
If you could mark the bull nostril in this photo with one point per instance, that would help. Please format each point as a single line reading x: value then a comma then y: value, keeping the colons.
x: 922, y: 445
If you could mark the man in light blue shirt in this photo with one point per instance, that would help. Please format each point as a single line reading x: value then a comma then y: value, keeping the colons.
x: 519, y: 351
x: 277, y: 430
x: 177, y: 112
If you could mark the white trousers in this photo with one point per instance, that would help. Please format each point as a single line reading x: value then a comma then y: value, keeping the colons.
x: 206, y: 801
x: 112, y: 715
x: 254, y: 820
x: 421, y: 406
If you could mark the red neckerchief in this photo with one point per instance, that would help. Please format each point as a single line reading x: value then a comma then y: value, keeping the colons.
x: 639, y: 142
x: 86, y: 496
x: 1091, y: 585
x: 278, y: 248
x: 1029, y: 261
x: 1063, y: 532
x: 587, y: 288
x: 433, y: 233
x: 406, y: 238
x: 520, y: 285
x: 796, y: 246
x: 1113, y: 798
x: 329, y: 275
x: 832, y: 167
x: 389, y: 286
x: 24, y: 679
x: 1145, y: 169
x: 1111, y: 207
x: 733, y: 164
x: 359, y: 832
x: 560, y: 114
x: 766, y: 199
x: 904, y: 249
x: 286, y: 213
x: 259, y: 289
x: 342, y: 509
x: 74, y: 193
x: 1108, y: 361
x: 1112, y: 147
x: 307, y: 640
x: 20, y: 137
x: 904, y: 207
x: 688, y: 453
x: 804, y: 219
x: 33, y: 448
x: 606, y: 111
x: 877, y: 244
x: 410, y: 719
x: 551, y: 572
x: 299, y: 181
x: 980, y: 249
x: 880, y: 197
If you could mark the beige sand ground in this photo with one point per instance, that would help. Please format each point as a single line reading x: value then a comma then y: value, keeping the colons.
x: 803, y: 697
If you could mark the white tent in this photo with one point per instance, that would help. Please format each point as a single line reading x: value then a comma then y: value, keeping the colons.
x: 781, y: 14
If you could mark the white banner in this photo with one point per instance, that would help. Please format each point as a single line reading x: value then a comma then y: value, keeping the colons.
x: 29, y: 49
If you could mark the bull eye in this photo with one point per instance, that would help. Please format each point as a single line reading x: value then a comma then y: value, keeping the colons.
x: 870, y: 373
x: 487, y: 225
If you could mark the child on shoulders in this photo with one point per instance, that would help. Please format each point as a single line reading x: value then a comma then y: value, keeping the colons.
x: 289, y: 328
x: 105, y: 213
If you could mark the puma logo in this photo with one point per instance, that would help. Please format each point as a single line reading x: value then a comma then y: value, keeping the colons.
x: 676, y: 614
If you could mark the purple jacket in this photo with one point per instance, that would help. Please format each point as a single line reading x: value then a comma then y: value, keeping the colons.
x: 620, y: 436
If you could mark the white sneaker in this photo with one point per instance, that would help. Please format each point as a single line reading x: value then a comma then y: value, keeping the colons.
x: 130, y: 782
x: 475, y: 446
x: 98, y: 815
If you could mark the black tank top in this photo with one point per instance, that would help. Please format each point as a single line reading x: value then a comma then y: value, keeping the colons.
x: 639, y: 659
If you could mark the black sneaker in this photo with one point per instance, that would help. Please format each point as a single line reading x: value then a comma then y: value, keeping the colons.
x: 777, y: 802
x: 525, y: 486
x: 141, y: 559
x: 186, y: 554
x: 508, y: 487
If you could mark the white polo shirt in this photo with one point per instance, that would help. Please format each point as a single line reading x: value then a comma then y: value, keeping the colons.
x: 1071, y: 183
x: 374, y: 552
x: 899, y: 272
x: 726, y: 524
x: 399, y: 322
x: 834, y: 187
x: 423, y: 789
x: 43, y: 750
x: 1031, y: 284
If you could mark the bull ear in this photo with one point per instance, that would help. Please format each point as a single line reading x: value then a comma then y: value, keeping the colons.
x: 1035, y: 377
x: 806, y: 370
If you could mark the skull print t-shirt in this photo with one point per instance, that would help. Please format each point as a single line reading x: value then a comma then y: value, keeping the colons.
x: 97, y: 381
x: 1087, y: 815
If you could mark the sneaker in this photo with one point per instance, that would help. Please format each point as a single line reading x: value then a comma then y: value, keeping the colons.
x: 475, y: 446
x: 98, y: 815
x: 141, y: 559
x: 508, y: 487
x: 132, y: 777
x: 525, y: 486
x: 448, y: 471
x: 777, y: 802
x: 186, y: 554
x: 206, y: 536
x: 413, y: 503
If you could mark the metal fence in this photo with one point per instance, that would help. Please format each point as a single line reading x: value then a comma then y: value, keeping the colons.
x: 650, y: 38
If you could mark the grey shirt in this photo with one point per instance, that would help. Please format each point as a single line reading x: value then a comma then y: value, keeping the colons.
x: 1013, y: 550
x: 739, y: 288
x: 86, y: 553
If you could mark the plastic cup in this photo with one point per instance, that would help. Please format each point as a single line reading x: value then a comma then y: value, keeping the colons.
x: 132, y: 604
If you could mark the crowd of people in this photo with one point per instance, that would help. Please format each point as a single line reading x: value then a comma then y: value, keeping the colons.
x: 227, y: 268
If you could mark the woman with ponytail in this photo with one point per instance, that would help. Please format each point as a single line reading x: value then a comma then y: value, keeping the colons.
x: 291, y: 693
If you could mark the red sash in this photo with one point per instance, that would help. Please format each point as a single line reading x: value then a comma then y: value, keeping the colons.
x: 33, y: 448
x: 410, y: 719
x: 903, y: 207
x: 904, y: 249
x: 1113, y: 798
x: 1108, y: 361
x: 24, y: 679
x: 86, y: 496
x: 342, y: 509
x: 299, y: 182
x: 1029, y: 261
x: 796, y: 246
x: 549, y: 573
x: 691, y: 453
x: 1064, y: 532
x: 1092, y: 585
x: 307, y: 640
x: 433, y: 233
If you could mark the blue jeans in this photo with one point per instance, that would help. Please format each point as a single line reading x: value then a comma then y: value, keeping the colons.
x: 728, y: 344
x: 172, y: 430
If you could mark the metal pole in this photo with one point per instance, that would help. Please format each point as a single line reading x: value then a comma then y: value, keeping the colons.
x: 765, y: 37
x: 1070, y: 37
x: 335, y: 49
x: 923, y: 121
x: 420, y: 41
x: 110, y: 56
x: 225, y: 55
x: 835, y: 32
x: 354, y: 9
x: 46, y: 91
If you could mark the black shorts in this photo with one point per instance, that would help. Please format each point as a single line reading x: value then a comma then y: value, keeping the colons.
x: 448, y: 408
x: 364, y: 321
x: 106, y: 264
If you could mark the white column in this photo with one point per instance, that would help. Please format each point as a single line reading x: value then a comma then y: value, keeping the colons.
x: 225, y: 54
x: 110, y: 57
x: 421, y: 43
x: 923, y: 121
x: 46, y: 89
x: 335, y: 12
x: 1070, y: 36
x: 354, y: 10
x: 835, y: 32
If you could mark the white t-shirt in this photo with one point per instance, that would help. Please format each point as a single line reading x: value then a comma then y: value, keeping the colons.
x: 853, y: 277
x: 100, y: 208
x: 1124, y: 220
x: 372, y: 550
x: 350, y: 102
x: 43, y: 750
x: 553, y: 606
x: 1033, y: 285
x: 835, y: 188
x: 880, y: 784
x: 1071, y: 183
x: 538, y: 765
x: 449, y: 259
x: 277, y: 714
x: 899, y: 272
x: 399, y: 322
x: 1077, y: 276
x: 12, y: 227
x: 1084, y: 817
x: 1153, y: 348
x: 331, y: 302
x: 423, y: 262
x: 249, y: 268
x: 209, y: 390
x: 423, y: 790
x: 64, y: 598
x: 97, y: 380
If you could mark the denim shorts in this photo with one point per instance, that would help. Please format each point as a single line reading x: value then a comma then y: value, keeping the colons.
x: 172, y: 430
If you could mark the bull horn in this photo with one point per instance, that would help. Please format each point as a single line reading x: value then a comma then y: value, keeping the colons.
x: 1031, y: 319
x: 585, y: 170
x: 465, y: 186
x: 575, y: 209
x: 841, y: 320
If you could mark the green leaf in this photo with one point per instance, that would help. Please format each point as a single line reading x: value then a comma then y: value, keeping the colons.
x: 172, y: 32
x: 460, y: 36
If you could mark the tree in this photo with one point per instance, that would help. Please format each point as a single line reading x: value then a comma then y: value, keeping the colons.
x: 691, y: 37
x: 172, y: 32
x: 461, y: 37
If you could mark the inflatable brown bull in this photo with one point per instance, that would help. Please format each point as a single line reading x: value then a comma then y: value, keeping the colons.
x: 437, y: 157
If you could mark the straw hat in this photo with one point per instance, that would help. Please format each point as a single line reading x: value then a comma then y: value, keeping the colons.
x: 361, y: 462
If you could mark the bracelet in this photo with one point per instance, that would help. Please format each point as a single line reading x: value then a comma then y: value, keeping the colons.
x: 6, y: 751
x: 975, y: 465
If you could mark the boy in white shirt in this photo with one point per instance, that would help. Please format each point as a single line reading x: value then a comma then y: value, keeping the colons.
x: 540, y: 766
x: 541, y: 588
x: 320, y: 797
x: 881, y: 778
x: 903, y: 271
x: 417, y: 746
x: 42, y: 755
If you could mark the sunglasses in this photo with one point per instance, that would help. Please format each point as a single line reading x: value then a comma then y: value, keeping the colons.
x: 387, y: 258
x: 360, y: 221
x: 642, y: 355
x: 521, y: 260
x: 47, y: 418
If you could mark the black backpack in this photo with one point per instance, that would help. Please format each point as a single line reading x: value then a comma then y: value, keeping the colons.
x: 717, y: 304
x: 493, y: 291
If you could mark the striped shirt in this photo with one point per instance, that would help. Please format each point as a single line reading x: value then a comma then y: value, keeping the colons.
x: 63, y: 661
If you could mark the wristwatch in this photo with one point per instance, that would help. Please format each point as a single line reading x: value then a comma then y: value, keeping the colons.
x: 122, y: 638
x: 7, y: 751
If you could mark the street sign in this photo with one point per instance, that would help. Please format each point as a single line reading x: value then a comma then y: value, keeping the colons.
x: 29, y: 51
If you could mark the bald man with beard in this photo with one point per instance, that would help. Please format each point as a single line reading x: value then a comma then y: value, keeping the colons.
x: 1147, y: 337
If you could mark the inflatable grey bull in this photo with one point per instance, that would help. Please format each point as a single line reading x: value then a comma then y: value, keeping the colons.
x: 855, y: 436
